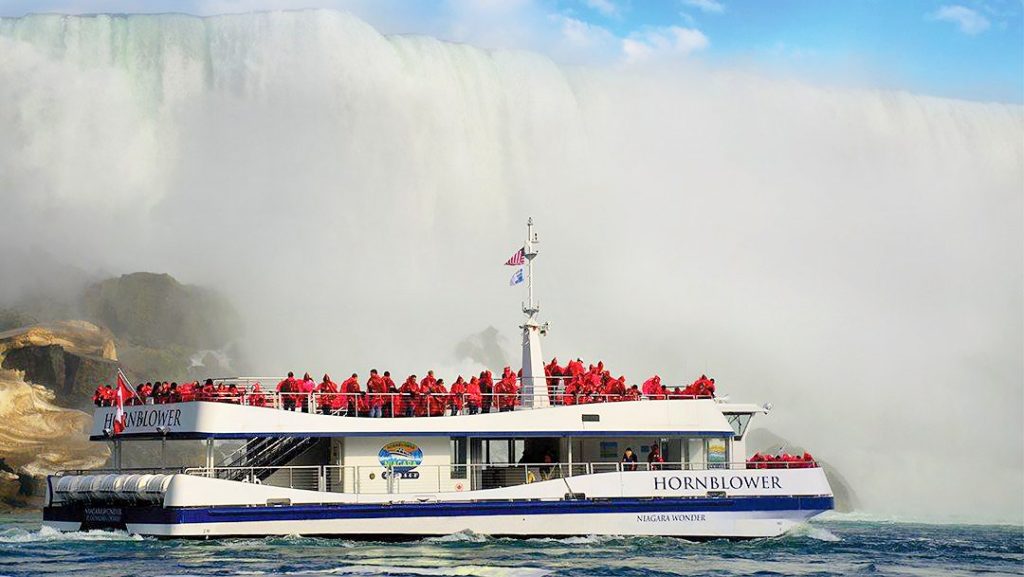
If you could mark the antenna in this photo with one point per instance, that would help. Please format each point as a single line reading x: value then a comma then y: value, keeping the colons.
x: 530, y: 252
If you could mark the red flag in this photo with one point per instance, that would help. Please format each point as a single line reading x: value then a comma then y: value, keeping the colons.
x: 518, y: 258
x: 121, y: 394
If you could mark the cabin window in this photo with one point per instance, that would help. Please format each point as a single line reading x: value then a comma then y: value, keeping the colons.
x: 459, y: 450
x: 502, y: 451
x: 739, y: 422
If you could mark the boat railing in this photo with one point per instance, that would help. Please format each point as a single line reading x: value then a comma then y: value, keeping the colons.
x: 123, y: 471
x: 421, y: 479
x: 399, y: 404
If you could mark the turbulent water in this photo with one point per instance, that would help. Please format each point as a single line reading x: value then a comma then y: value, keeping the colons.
x: 820, y: 548
x: 853, y: 256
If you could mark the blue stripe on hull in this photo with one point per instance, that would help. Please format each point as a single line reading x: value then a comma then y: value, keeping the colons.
x: 159, y: 515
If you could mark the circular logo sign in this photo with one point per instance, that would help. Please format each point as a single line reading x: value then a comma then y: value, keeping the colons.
x: 400, y: 456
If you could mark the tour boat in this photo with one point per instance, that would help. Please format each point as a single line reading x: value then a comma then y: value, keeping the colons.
x: 550, y: 467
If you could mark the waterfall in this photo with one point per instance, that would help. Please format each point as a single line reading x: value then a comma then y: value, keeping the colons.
x: 853, y: 255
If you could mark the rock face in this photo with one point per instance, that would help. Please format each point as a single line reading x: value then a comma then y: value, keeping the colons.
x: 71, y: 358
x: 765, y: 441
x: 41, y: 368
x: 483, y: 348
x: 162, y: 329
x: 156, y: 311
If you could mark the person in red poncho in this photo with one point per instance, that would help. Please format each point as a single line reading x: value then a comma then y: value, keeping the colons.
x: 575, y: 368
x: 573, y: 390
x: 553, y: 372
x: 438, y: 398
x: 284, y: 389
x: 457, y: 396
x: 377, y: 391
x: 506, y: 390
x: 307, y: 386
x: 99, y: 398
x: 409, y: 391
x: 474, y: 397
x: 187, y: 391
x: 256, y: 396
x: 144, y: 392
x: 652, y: 388
x: 391, y: 400
x: 350, y: 387
x: 327, y: 397
x: 427, y: 385
x: 486, y: 391
x: 594, y: 385
x: 633, y: 393
x: 615, y: 389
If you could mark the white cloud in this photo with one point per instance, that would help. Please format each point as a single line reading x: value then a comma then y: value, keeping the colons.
x: 969, y: 21
x: 663, y: 41
x: 605, y: 7
x: 579, y: 34
x: 706, y: 5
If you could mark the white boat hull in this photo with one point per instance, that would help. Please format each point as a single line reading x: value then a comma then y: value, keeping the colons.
x: 693, y: 504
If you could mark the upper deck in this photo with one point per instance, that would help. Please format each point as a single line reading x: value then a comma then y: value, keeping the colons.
x: 248, y: 416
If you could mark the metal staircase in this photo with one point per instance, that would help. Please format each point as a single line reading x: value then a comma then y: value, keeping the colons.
x: 259, y: 457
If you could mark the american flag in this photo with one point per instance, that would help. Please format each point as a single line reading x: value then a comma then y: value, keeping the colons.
x: 518, y: 258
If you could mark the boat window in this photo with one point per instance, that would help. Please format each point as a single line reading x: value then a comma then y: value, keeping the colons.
x: 502, y: 451
x: 459, y: 450
x: 739, y: 422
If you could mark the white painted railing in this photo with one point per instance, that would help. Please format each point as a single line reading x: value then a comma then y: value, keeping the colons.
x: 375, y: 479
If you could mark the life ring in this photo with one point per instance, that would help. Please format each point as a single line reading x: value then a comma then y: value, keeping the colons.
x: 459, y: 486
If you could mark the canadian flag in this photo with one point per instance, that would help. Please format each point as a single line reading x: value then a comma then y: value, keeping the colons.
x: 122, y: 394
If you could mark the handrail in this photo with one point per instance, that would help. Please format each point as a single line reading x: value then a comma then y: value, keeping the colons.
x: 376, y: 479
x: 400, y: 404
x: 121, y: 471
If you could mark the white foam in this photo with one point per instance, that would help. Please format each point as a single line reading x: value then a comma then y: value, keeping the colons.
x: 819, y: 533
x: 459, y: 537
x: 46, y: 534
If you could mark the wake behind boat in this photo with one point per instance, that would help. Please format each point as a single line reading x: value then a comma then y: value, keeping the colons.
x: 550, y: 451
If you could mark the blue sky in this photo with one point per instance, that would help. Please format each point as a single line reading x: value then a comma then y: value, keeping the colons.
x: 969, y: 49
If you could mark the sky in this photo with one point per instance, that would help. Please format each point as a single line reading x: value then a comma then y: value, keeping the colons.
x: 964, y: 49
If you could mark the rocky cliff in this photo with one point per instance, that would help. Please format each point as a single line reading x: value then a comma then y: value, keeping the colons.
x: 47, y: 375
x: 149, y: 324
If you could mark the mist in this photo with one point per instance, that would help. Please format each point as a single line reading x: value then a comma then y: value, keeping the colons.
x: 855, y: 257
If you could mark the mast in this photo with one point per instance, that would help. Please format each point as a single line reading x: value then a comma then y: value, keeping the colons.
x: 534, y: 392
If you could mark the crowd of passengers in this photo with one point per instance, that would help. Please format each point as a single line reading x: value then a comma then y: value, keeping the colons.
x: 781, y: 461
x: 572, y: 384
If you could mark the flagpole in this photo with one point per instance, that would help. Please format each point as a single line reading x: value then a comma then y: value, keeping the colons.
x: 529, y: 261
x: 125, y: 377
x: 529, y: 253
